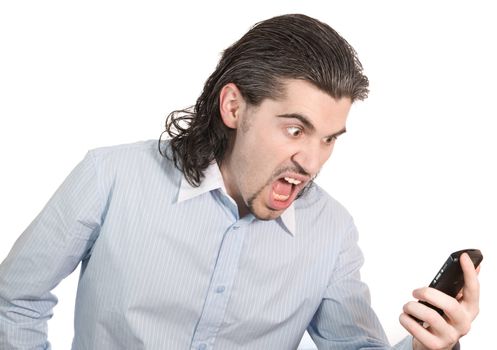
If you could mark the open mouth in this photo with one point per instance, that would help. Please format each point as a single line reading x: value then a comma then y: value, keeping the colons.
x: 284, y: 191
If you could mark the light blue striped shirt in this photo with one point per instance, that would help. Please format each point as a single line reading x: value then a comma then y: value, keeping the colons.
x: 168, y: 266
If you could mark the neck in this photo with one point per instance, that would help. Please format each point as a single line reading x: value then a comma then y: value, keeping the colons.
x: 232, y: 189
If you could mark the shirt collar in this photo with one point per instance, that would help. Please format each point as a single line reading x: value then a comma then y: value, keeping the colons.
x: 213, y: 180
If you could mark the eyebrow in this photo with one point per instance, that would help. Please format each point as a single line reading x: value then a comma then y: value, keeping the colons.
x: 308, y: 124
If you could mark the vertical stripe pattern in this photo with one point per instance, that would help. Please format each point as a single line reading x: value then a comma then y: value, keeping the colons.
x: 158, y: 273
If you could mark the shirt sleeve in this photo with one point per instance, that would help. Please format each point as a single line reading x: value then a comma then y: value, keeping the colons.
x: 47, y: 251
x: 345, y: 319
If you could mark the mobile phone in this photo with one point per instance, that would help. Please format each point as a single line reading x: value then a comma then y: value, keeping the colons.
x: 450, y: 278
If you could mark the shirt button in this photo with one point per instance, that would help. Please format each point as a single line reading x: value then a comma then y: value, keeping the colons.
x: 220, y: 289
x: 236, y: 227
x: 202, y: 346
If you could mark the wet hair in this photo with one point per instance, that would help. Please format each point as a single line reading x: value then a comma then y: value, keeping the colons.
x: 291, y: 46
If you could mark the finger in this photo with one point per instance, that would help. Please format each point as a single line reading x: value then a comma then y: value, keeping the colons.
x: 426, y: 316
x: 424, y: 336
x: 450, y: 306
x: 434, y: 297
x: 438, y: 336
x: 471, y: 283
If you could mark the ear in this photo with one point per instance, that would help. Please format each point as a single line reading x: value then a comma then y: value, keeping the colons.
x: 231, y: 105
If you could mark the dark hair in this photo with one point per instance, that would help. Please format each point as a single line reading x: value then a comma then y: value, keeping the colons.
x: 284, y: 47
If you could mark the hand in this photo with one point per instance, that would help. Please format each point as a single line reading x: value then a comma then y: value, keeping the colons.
x: 443, y: 332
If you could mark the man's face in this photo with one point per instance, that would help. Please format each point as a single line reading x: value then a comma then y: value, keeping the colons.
x: 280, y: 146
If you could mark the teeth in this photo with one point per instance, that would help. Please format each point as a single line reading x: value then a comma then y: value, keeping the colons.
x: 292, y: 180
x: 280, y: 197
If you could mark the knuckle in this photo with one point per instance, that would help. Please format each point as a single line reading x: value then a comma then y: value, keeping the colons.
x: 453, y: 337
x: 432, y: 318
x: 453, y: 306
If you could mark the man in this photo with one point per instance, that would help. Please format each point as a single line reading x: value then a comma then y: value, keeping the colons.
x: 218, y: 239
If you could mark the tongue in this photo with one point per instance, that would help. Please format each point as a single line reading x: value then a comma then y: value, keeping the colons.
x: 282, y: 187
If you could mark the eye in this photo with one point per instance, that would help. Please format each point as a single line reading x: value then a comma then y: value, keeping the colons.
x: 330, y: 140
x: 294, y: 131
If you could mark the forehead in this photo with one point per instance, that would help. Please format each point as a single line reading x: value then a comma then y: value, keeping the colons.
x: 301, y: 97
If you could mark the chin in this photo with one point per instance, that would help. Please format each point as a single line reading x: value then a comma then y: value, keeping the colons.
x: 265, y: 213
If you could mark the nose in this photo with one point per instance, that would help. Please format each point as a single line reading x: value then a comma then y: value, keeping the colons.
x: 312, y: 156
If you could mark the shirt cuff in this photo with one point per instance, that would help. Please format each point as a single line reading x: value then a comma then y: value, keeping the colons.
x: 406, y: 344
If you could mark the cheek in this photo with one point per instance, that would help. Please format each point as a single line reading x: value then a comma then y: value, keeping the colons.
x: 324, y: 157
x: 258, y: 170
x: 263, y: 154
x: 327, y: 153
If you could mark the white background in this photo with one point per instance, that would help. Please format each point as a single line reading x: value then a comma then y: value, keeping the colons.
x: 416, y: 169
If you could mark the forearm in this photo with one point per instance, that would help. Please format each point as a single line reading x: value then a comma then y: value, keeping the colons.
x: 47, y: 251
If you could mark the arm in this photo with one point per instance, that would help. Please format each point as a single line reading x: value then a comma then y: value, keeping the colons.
x: 48, y: 250
x: 345, y: 319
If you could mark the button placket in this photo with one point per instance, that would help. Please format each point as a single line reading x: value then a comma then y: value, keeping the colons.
x: 224, y: 273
